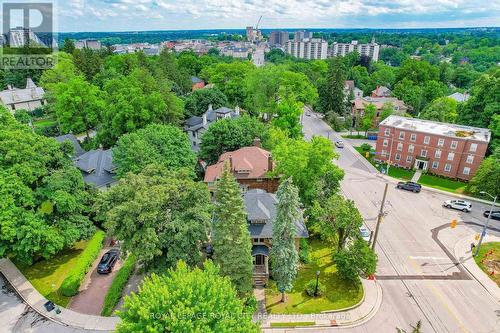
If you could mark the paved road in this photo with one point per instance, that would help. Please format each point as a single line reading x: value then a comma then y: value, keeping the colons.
x: 418, y: 273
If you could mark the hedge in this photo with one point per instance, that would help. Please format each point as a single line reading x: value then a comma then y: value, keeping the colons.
x: 115, y: 290
x: 71, y: 283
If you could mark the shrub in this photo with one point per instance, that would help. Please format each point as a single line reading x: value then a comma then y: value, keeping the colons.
x: 71, y: 283
x: 366, y: 147
x: 311, y: 288
x: 115, y: 290
x: 304, y: 251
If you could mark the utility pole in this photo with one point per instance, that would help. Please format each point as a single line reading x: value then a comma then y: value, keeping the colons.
x: 483, y: 233
x: 380, y: 215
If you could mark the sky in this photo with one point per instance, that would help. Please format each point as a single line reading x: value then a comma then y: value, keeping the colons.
x: 140, y: 15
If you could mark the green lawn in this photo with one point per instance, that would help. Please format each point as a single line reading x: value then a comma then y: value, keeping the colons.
x: 444, y: 184
x: 339, y: 294
x: 44, y: 122
x: 487, y: 258
x: 47, y: 275
x: 354, y: 136
x: 400, y: 173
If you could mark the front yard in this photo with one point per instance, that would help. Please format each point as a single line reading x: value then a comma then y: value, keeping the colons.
x: 339, y: 294
x: 47, y: 275
x: 488, y: 259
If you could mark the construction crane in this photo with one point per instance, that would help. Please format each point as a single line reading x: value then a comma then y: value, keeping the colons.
x: 258, y: 22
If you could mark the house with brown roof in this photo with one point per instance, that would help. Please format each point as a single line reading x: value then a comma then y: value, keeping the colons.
x: 381, y: 91
x: 250, y: 166
x: 359, y: 105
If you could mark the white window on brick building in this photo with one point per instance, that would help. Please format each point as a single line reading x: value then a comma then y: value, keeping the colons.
x: 383, y: 153
x: 454, y: 145
x: 402, y: 135
x: 470, y: 159
x: 400, y: 146
x: 440, y: 142
x: 451, y: 156
x: 447, y: 167
x: 473, y: 147
x: 437, y: 154
x: 413, y: 137
x: 411, y: 148
x: 466, y: 170
x: 387, y: 132
x: 385, y: 143
x: 435, y: 164
x: 397, y: 157
x: 427, y: 139
x: 408, y: 159
x: 423, y: 153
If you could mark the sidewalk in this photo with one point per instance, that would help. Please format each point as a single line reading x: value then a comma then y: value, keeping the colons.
x: 464, y: 256
x: 352, y: 317
x: 36, y: 301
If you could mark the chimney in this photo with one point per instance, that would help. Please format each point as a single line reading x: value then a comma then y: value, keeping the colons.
x: 230, y: 163
x: 256, y: 142
x: 210, y: 108
x: 269, y: 163
x: 237, y: 110
x: 204, y: 119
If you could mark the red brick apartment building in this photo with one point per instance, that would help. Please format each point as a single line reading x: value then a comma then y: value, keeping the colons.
x: 449, y: 150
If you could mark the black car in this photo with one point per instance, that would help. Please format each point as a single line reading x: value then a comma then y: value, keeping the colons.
x: 495, y: 215
x: 108, y: 260
x: 409, y: 186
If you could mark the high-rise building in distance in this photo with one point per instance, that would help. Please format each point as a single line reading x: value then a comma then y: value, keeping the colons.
x: 311, y: 48
x: 341, y: 49
x: 300, y: 35
x: 278, y: 38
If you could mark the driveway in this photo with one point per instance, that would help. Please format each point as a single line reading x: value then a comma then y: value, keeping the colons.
x: 90, y: 299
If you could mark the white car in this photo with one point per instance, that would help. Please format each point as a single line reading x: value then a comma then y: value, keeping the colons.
x: 308, y: 113
x: 462, y: 205
x: 365, y: 233
x: 339, y: 144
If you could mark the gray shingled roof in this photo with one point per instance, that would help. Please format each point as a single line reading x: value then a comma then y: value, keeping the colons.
x: 261, y: 205
x: 195, y: 79
x: 74, y: 141
x: 17, y: 95
x: 97, y: 167
x: 194, y: 123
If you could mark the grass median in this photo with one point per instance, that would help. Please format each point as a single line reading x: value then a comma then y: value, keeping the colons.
x: 488, y: 259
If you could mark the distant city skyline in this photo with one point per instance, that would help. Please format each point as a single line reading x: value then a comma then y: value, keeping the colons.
x: 144, y: 15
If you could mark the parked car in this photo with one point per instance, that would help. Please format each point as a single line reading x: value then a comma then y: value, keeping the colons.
x: 339, y: 144
x: 108, y: 261
x: 462, y: 205
x: 365, y: 233
x: 495, y: 214
x: 409, y: 186
x: 308, y: 113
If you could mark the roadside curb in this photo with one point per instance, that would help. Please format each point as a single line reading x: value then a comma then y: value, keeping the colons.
x: 36, y: 301
x: 353, y: 316
x: 464, y: 256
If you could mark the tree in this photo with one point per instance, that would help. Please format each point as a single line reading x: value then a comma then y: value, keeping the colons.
x: 63, y: 71
x: 186, y: 300
x: 443, y: 109
x: 165, y: 145
x: 417, y: 71
x: 88, y: 61
x: 338, y: 219
x: 22, y: 116
x: 387, y: 110
x: 198, y: 101
x: 169, y: 69
x: 368, y: 117
x: 78, y: 105
x: 288, y: 118
x: 135, y: 101
x: 309, y: 164
x: 43, y: 201
x: 161, y: 216
x: 284, y: 253
x: 356, y: 258
x: 410, y: 93
x: 231, y: 238
x: 414, y: 329
x: 68, y: 46
x: 487, y: 177
x: 433, y: 90
x: 230, y: 134
x: 332, y: 93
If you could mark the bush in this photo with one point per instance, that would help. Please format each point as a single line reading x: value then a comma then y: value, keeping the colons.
x: 311, y: 288
x: 116, y: 288
x: 71, y: 283
x: 366, y: 147
x: 304, y: 251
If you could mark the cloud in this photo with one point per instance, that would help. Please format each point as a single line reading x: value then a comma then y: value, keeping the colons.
x: 196, y: 14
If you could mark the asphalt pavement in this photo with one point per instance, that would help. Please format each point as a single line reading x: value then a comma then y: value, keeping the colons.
x: 420, y: 277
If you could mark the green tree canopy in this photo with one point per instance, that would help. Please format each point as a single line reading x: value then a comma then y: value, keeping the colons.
x: 230, y: 134
x: 161, y: 144
x: 43, y: 202
x: 487, y: 177
x: 355, y: 259
x: 186, y: 300
x: 443, y: 109
x: 198, y: 101
x: 288, y: 118
x: 161, y: 216
x: 230, y: 236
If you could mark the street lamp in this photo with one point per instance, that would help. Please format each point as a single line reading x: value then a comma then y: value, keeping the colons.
x: 316, y: 288
x: 487, y: 221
